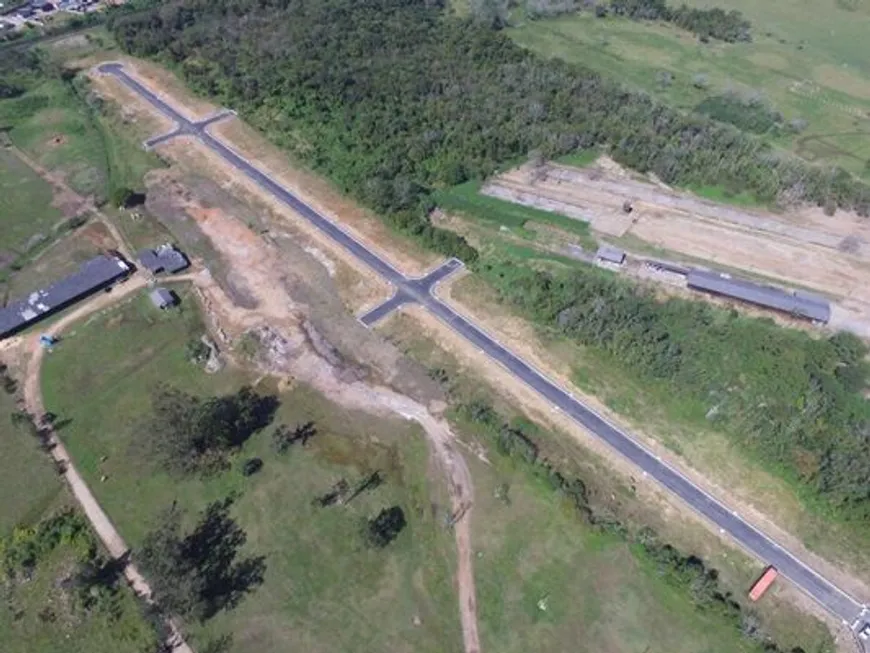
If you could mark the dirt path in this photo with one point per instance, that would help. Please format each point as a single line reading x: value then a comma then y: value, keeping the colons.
x: 101, y: 523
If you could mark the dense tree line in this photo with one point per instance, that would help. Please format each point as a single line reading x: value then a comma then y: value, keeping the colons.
x: 751, y: 114
x: 392, y: 98
x: 713, y: 23
x: 795, y: 401
x: 198, y: 573
x: 186, y: 434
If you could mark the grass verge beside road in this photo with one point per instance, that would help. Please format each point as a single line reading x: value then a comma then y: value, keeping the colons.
x: 545, y: 576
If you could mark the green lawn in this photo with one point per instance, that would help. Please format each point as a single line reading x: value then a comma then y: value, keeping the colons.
x: 324, y: 590
x: 29, y: 484
x: 468, y: 200
x: 25, y: 207
x: 808, y: 59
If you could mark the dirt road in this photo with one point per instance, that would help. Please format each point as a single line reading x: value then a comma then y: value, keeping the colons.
x: 100, y: 522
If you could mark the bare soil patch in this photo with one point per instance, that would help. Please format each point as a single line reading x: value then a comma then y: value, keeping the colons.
x: 290, y: 344
x: 830, y: 254
x: 323, y: 197
x: 356, y: 284
x: 98, y: 234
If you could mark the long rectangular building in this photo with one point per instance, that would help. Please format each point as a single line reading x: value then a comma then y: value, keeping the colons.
x: 92, y: 275
x: 794, y: 303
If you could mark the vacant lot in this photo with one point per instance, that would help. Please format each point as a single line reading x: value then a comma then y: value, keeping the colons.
x: 532, y: 548
x: 324, y: 590
x: 807, y: 60
x: 26, y: 211
x: 802, y: 247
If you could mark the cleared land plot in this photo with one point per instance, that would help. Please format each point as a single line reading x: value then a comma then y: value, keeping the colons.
x: 467, y: 200
x: 26, y: 210
x: 806, y: 58
x: 324, y: 590
x: 532, y: 547
x: 803, y: 248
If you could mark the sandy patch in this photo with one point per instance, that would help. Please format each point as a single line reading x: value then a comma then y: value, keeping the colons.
x: 193, y: 156
x: 324, y: 198
x: 843, y: 80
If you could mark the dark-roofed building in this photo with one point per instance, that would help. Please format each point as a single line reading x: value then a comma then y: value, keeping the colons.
x: 163, y: 259
x: 93, y: 275
x: 797, y: 304
x: 163, y: 298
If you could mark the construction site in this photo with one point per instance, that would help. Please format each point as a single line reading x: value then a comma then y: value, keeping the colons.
x: 816, y: 259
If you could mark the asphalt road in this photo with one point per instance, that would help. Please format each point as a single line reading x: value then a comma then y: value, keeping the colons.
x: 849, y: 609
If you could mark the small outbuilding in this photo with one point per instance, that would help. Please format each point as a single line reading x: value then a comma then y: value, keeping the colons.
x: 163, y: 298
x: 610, y: 254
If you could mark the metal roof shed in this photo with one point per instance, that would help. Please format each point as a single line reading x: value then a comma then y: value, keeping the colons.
x: 610, y: 254
x: 796, y: 304
x: 92, y: 275
x: 163, y: 298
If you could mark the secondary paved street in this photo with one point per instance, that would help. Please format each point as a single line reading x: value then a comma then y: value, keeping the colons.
x: 849, y: 609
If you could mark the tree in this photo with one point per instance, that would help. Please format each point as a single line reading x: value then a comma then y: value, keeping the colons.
x: 200, y: 573
x: 251, y: 466
x: 186, y: 434
x: 490, y: 13
x: 384, y: 528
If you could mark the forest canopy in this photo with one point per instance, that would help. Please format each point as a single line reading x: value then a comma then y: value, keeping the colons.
x: 392, y: 98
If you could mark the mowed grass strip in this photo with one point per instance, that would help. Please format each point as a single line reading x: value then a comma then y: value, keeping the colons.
x: 29, y: 484
x: 468, y: 200
x: 324, y: 589
x: 25, y: 205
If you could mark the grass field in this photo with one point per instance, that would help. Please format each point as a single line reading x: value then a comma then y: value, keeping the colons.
x: 467, y: 200
x: 807, y: 58
x: 325, y: 591
x: 29, y: 484
x: 599, y: 593
x: 25, y: 206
